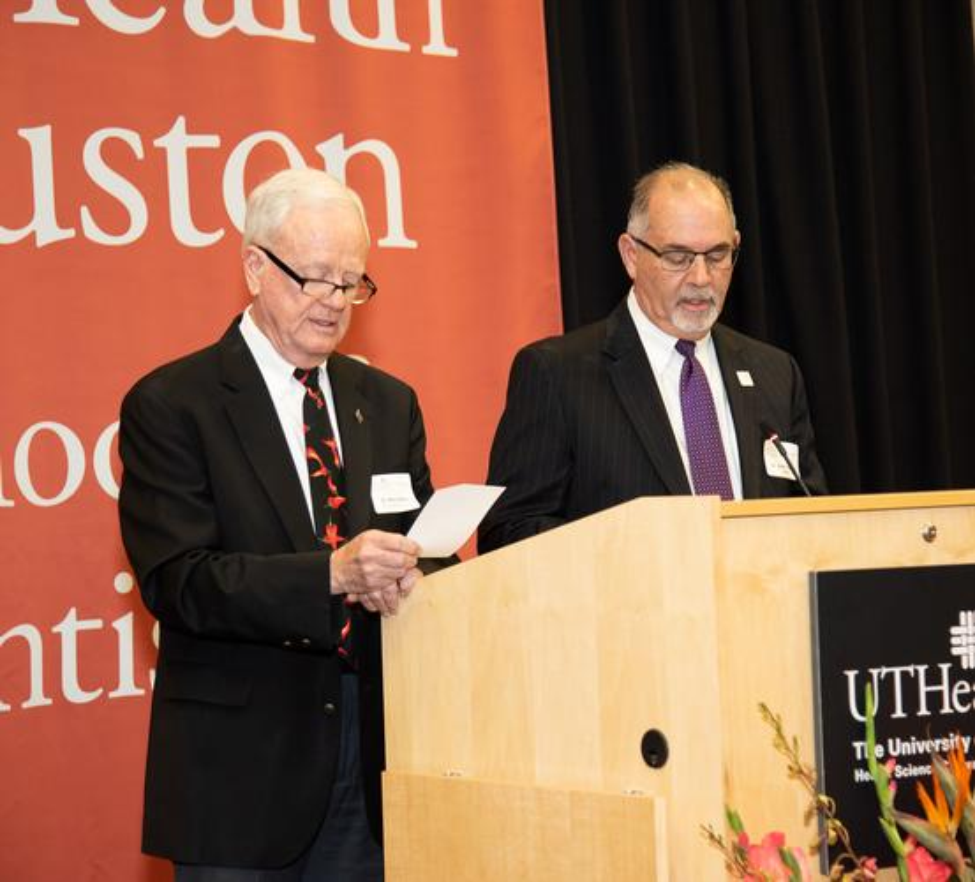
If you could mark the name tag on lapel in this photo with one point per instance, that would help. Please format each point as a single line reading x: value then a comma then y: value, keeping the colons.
x: 775, y: 465
x: 393, y: 493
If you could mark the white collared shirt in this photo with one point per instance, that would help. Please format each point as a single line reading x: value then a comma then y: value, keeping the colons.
x: 666, y: 363
x: 288, y: 396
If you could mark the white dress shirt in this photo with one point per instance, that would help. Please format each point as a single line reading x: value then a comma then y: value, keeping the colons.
x: 666, y: 363
x: 288, y: 395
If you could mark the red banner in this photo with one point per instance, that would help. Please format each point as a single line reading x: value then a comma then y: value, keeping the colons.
x: 130, y: 133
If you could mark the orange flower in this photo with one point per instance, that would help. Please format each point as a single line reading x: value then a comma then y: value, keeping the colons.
x: 961, y: 772
x: 937, y: 809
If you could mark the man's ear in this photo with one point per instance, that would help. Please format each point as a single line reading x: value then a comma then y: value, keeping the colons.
x: 253, y: 262
x: 628, y: 252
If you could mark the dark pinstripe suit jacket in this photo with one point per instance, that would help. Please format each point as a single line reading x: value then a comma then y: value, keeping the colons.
x: 585, y: 427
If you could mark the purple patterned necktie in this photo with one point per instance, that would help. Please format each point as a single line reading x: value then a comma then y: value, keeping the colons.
x: 709, y: 467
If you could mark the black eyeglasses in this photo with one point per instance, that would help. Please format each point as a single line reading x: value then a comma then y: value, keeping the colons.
x: 355, y: 293
x: 680, y: 260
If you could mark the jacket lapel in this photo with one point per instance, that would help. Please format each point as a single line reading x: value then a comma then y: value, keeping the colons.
x: 255, y: 421
x: 744, y: 403
x: 355, y: 420
x: 633, y: 380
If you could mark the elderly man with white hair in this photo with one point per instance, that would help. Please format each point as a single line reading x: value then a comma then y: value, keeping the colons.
x: 263, y: 547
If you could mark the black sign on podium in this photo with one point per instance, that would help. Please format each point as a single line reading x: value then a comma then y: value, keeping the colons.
x: 911, y: 632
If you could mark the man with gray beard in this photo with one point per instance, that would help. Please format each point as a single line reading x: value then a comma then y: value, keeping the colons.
x: 656, y: 399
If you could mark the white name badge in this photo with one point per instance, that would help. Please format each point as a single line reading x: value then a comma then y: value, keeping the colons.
x: 393, y: 493
x: 775, y: 465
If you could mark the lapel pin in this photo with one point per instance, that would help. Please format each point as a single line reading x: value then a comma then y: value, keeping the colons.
x: 745, y: 378
x: 359, y: 418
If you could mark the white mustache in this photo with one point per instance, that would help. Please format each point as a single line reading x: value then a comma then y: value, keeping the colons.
x: 699, y: 294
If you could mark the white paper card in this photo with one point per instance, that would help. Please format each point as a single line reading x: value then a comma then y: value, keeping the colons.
x: 451, y: 516
x: 393, y: 493
x: 775, y: 465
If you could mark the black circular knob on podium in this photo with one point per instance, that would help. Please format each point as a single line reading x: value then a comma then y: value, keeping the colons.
x: 654, y: 748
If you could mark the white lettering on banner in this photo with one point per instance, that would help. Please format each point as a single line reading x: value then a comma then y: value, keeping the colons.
x: 175, y: 146
x: 385, y: 39
x: 101, y: 461
x: 44, y: 223
x: 4, y: 501
x: 245, y: 21
x: 113, y: 183
x: 177, y: 143
x: 35, y: 665
x: 45, y: 12
x: 130, y: 25
x: 438, y: 43
x: 75, y: 460
x: 124, y: 583
x: 234, y: 196
x: 68, y: 630
x: 74, y: 456
x: 335, y: 154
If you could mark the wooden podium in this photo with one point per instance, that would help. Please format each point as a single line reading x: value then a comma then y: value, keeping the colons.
x: 519, y: 684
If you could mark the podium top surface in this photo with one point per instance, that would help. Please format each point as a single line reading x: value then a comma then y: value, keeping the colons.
x: 749, y: 508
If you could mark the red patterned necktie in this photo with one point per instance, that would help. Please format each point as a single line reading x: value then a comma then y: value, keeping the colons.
x: 326, y: 481
x: 705, y: 451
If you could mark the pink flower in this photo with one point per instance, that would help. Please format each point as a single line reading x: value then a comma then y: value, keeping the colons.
x: 890, y: 765
x: 766, y: 861
x: 868, y: 867
x: 921, y: 867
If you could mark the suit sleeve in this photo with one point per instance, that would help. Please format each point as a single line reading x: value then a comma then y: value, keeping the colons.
x: 175, y: 532
x: 531, y: 455
x: 801, y: 431
x: 422, y: 482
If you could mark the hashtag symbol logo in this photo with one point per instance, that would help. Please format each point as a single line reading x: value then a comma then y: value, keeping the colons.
x: 963, y: 639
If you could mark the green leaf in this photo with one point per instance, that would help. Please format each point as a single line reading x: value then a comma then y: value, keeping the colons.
x: 893, y: 837
x: 869, y: 712
x: 734, y: 821
x: 789, y: 859
x: 948, y: 783
x: 968, y: 826
x: 940, y: 845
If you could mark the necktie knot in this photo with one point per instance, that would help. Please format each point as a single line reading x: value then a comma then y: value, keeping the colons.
x: 309, y: 379
x: 686, y: 348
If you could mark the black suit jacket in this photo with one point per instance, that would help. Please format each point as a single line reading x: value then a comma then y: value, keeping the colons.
x: 246, y: 706
x: 585, y: 427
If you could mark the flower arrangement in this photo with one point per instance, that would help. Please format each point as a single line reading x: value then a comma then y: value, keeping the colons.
x: 951, y: 809
x: 930, y: 853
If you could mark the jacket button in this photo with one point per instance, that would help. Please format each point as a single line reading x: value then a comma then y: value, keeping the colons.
x: 329, y: 708
x: 286, y: 644
x: 305, y: 641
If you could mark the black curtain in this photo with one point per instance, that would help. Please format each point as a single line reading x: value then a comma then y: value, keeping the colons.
x: 847, y: 132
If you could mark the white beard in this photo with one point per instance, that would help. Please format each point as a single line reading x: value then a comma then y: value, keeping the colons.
x: 696, y: 322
